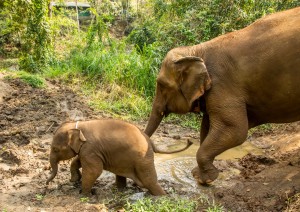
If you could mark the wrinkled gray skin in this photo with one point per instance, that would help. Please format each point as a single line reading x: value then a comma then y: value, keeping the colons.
x: 112, y: 145
x: 238, y: 80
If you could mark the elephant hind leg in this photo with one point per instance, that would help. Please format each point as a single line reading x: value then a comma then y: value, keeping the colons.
x: 155, y: 189
x: 148, y: 178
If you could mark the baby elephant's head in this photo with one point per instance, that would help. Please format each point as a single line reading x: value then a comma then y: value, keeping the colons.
x: 66, y: 144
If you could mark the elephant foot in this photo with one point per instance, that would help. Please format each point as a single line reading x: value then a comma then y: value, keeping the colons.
x: 207, y: 176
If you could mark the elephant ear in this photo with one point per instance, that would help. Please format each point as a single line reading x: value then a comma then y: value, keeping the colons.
x: 194, y: 80
x: 76, y: 139
x: 180, y: 59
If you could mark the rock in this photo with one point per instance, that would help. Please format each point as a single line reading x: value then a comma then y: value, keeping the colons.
x: 135, y: 197
x: 177, y: 137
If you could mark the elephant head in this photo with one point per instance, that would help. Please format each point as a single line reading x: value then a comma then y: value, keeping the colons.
x: 182, y: 80
x: 66, y: 144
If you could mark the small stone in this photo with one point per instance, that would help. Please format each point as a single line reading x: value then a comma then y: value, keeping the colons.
x: 137, y: 196
x: 177, y: 137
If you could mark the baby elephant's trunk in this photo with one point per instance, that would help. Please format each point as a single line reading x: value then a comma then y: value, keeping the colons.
x: 188, y: 144
x: 54, y: 166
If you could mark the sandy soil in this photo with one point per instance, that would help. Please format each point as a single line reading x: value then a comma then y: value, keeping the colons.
x: 29, y: 116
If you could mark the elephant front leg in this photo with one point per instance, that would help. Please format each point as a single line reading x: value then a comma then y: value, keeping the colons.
x: 75, y: 172
x: 90, y: 172
x: 225, y: 132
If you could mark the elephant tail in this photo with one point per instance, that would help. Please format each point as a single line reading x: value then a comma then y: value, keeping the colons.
x: 156, y: 150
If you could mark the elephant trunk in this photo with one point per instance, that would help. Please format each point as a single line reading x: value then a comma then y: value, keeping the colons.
x: 54, y: 166
x: 153, y: 122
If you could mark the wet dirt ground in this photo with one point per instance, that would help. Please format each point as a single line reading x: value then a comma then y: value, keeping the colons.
x: 261, y: 175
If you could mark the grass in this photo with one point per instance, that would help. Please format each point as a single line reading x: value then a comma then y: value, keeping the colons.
x: 208, y: 205
x: 189, y: 120
x: 173, y: 203
x: 8, y: 62
x: 263, y: 129
x: 118, y: 101
x: 112, y: 64
x: 84, y: 199
x: 163, y: 204
x: 34, y: 80
x: 39, y: 197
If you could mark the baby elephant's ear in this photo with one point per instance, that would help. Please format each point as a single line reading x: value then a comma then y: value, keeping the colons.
x: 76, y: 139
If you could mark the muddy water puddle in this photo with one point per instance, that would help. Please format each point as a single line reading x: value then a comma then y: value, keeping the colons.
x: 177, y: 167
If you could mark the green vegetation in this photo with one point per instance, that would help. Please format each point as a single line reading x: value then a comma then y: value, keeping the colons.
x: 39, y: 197
x: 264, y: 128
x: 84, y: 199
x: 197, y: 21
x: 25, y: 33
x: 33, y: 80
x: 8, y: 63
x: 163, y: 204
x: 173, y: 203
x: 189, y: 120
x: 36, y: 50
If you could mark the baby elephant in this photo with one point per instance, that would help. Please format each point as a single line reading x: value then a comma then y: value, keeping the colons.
x: 112, y: 145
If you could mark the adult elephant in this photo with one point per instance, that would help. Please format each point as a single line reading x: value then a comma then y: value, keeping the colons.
x: 238, y: 80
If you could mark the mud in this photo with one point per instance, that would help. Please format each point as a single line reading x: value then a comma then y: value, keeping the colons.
x: 261, y: 175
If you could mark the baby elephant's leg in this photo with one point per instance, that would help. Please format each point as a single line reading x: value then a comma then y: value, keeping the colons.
x: 75, y: 173
x: 155, y: 189
x: 148, y: 178
x: 90, y: 172
x: 120, y: 181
